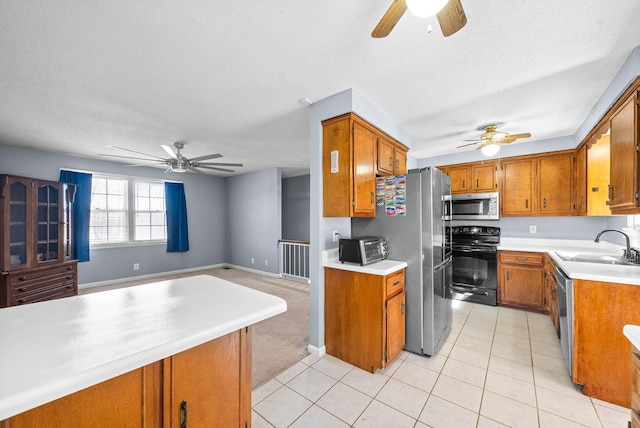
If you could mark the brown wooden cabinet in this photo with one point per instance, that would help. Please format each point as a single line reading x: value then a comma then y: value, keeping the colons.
x: 352, y: 152
x: 601, y: 362
x: 209, y: 385
x: 538, y: 185
x: 624, y: 188
x: 521, y: 280
x: 391, y: 158
x: 555, y: 181
x: 473, y: 177
x: 35, y: 240
x: 517, y: 192
x: 580, y: 182
x: 551, y: 292
x: 364, y: 317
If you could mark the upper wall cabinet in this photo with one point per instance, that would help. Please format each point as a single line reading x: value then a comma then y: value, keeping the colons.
x: 352, y: 151
x: 581, y: 182
x: 391, y: 157
x: 613, y: 158
x: 473, y: 177
x: 538, y: 185
x: 624, y: 189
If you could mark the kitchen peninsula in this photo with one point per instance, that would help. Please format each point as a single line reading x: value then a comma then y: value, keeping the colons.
x: 604, y: 300
x: 147, y: 355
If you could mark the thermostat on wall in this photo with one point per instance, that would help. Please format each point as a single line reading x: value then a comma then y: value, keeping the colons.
x: 334, y: 161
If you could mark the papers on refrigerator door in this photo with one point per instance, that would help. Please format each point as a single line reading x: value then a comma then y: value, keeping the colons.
x: 391, y: 192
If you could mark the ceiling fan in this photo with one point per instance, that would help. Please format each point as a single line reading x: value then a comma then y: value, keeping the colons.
x: 491, y: 138
x: 177, y: 162
x: 450, y: 15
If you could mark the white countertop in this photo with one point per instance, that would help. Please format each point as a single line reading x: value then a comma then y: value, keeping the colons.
x: 51, y: 349
x: 382, y: 267
x: 633, y: 334
x: 578, y: 270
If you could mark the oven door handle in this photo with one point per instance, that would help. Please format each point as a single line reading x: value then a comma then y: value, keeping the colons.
x: 475, y: 250
x: 468, y: 290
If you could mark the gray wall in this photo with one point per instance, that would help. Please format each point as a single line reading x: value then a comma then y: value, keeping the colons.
x: 254, y: 210
x: 295, y: 208
x: 207, y: 221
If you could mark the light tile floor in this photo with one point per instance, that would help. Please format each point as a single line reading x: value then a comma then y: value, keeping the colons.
x: 499, y: 367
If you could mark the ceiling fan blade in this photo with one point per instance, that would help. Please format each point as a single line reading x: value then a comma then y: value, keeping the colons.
x: 201, y: 158
x: 169, y: 151
x: 451, y: 18
x: 513, y: 137
x: 190, y: 168
x: 215, y: 168
x: 470, y: 144
x: 390, y: 19
x: 132, y: 157
x: 134, y: 151
x: 218, y: 164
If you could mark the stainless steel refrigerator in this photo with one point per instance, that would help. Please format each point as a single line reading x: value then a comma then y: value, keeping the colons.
x: 419, y: 238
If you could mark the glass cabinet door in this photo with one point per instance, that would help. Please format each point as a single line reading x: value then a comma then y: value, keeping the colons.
x: 18, y: 223
x: 48, y: 239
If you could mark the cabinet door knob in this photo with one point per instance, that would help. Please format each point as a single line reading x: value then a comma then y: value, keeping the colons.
x: 183, y: 414
x: 22, y: 278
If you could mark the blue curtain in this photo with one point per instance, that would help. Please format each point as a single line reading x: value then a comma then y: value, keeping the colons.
x: 80, y: 212
x: 177, y: 230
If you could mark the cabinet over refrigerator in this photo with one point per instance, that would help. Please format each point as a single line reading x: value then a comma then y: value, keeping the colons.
x: 416, y: 234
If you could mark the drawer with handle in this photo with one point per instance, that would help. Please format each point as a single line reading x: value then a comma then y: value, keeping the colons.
x: 395, y: 283
x: 521, y: 258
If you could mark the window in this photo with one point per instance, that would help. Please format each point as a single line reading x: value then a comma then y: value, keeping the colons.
x: 126, y: 210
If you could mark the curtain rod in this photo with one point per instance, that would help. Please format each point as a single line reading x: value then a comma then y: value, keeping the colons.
x: 118, y: 175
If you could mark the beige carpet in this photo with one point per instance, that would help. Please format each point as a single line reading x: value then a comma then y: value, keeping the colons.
x: 278, y: 342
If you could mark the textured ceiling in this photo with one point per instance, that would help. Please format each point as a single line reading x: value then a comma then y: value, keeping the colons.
x: 225, y: 76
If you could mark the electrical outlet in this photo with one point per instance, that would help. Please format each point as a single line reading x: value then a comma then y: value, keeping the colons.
x: 266, y: 262
x: 336, y: 236
x: 533, y: 229
x: 253, y: 260
x: 136, y: 266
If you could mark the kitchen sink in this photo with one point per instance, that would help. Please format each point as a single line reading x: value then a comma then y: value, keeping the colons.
x: 595, y: 258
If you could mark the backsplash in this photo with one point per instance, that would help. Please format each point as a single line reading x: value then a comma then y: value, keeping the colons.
x: 556, y: 227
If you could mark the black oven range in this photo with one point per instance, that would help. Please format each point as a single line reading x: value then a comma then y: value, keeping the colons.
x: 475, y: 263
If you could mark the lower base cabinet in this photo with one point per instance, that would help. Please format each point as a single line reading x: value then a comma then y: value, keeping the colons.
x: 601, y: 362
x: 205, y: 386
x: 364, y: 317
x: 521, y: 280
x: 551, y: 292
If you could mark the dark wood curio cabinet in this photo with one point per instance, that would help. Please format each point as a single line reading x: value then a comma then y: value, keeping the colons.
x: 36, y: 257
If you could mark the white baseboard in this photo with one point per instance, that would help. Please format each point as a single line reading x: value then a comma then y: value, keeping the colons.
x: 259, y: 272
x: 315, y: 351
x: 151, y: 275
x: 173, y: 272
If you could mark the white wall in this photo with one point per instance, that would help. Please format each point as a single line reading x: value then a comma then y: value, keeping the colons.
x: 254, y: 209
x: 207, y: 223
x: 322, y: 227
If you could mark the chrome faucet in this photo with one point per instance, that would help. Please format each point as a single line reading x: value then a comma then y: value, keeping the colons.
x: 628, y: 254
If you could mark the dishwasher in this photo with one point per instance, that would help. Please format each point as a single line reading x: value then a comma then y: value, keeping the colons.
x: 565, y: 314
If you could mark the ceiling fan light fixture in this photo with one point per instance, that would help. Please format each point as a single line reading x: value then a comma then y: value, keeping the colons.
x: 425, y: 8
x: 179, y: 165
x: 490, y: 149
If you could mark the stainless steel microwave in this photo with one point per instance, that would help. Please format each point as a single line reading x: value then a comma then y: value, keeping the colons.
x: 475, y: 206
